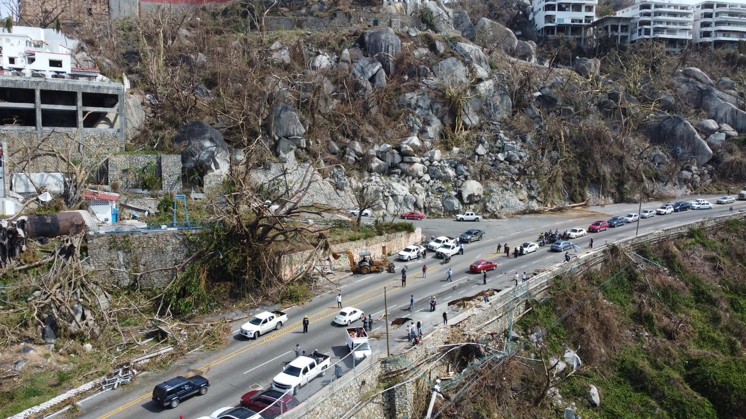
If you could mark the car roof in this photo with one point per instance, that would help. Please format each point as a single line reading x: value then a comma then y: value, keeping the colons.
x: 599, y: 221
x: 481, y: 261
x: 348, y: 309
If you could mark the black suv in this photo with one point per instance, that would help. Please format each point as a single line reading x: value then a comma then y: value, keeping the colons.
x: 471, y: 235
x: 172, y: 392
x: 681, y: 206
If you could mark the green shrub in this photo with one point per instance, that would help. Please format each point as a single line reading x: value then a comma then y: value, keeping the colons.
x: 296, y: 294
x: 722, y: 382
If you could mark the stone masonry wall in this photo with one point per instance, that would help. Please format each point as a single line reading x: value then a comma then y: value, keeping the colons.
x: 125, y: 170
x: 377, y: 246
x: 23, y: 149
x: 121, y: 256
x: 491, y: 317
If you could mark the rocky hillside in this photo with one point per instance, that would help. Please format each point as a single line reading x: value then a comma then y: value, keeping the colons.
x: 655, y: 333
x: 453, y: 111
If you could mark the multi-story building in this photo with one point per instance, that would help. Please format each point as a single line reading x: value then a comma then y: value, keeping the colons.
x: 667, y: 20
x: 720, y: 23
x: 615, y: 29
x: 571, y: 18
x: 37, y: 52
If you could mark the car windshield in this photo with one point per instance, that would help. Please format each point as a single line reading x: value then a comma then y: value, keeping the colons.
x: 291, y: 370
x: 527, y: 244
x: 409, y: 249
x: 256, y: 321
x: 342, y: 314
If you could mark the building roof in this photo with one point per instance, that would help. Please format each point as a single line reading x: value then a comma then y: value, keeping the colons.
x: 100, y: 196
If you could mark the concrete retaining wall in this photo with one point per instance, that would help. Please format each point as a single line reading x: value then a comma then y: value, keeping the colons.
x: 377, y: 246
x: 492, y: 317
x: 126, y: 170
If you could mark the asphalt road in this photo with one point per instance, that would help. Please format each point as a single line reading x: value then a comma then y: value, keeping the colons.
x: 243, y: 364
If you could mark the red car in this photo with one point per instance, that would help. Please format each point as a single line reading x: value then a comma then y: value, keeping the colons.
x: 598, y: 226
x: 258, y: 400
x: 483, y: 265
x: 413, y: 216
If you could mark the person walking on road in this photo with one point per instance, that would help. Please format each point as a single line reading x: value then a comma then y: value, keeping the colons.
x: 409, y: 333
x: 591, y: 243
x: 404, y: 277
x: 297, y: 350
x: 484, y: 277
x: 365, y: 322
x: 461, y: 249
x: 424, y: 271
x: 419, y: 328
x: 524, y: 278
x: 515, y: 277
x: 567, y: 256
x: 499, y: 248
x: 339, y: 300
x: 305, y: 324
x: 411, y: 302
x: 450, y: 274
x: 370, y: 322
x: 445, y: 318
x: 507, y: 250
x: 433, y: 303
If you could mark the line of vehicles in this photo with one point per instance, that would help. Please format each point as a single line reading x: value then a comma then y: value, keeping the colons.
x: 280, y: 396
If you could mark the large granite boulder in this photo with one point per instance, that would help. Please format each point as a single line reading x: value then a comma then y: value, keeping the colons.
x: 462, y: 23
x: 681, y: 138
x: 526, y: 51
x: 471, y: 192
x: 202, y: 149
x: 385, y: 46
x: 439, y: 17
x: 724, y: 112
x: 474, y: 53
x: 587, y: 67
x: 452, y: 72
x: 286, y: 122
x: 491, y: 34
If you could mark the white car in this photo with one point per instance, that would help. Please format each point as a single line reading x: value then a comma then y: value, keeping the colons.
x: 632, y: 217
x: 234, y: 412
x: 648, y: 213
x: 726, y: 200
x: 702, y: 205
x: 440, y: 241
x: 410, y: 252
x: 348, y: 315
x: 355, y: 212
x: 664, y: 209
x: 529, y: 247
x: 576, y: 232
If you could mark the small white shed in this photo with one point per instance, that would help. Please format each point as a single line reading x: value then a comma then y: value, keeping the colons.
x: 103, y: 205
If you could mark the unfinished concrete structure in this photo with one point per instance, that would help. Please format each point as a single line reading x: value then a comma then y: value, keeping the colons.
x: 77, y: 118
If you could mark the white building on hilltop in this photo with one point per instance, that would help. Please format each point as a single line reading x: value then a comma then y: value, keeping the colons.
x: 570, y: 18
x: 720, y: 23
x: 35, y: 52
x: 669, y: 20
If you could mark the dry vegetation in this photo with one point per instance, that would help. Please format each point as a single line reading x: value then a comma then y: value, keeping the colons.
x: 660, y: 333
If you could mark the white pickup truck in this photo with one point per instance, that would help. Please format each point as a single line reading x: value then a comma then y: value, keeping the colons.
x: 301, y: 371
x: 357, y: 342
x: 264, y: 322
x: 468, y: 216
x: 440, y: 241
x: 449, y: 249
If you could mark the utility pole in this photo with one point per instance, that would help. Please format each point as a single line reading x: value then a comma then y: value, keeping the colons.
x: 639, y: 209
x: 386, y: 319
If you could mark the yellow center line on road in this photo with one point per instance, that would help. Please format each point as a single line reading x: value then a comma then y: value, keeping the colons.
x: 327, y: 312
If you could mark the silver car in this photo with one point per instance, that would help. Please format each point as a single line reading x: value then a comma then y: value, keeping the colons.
x: 648, y: 213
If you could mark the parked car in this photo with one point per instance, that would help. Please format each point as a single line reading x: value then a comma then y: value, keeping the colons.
x: 271, y: 403
x: 448, y: 249
x: 172, y: 392
x: 410, y: 252
x: 598, y: 226
x: 529, y: 247
x: 301, y: 371
x: 576, y: 232
x: 471, y: 235
x: 664, y: 209
x: 617, y: 221
x: 233, y: 412
x: 726, y: 199
x: 682, y: 206
x: 440, y: 241
x: 355, y: 212
x: 561, y: 246
x: 264, y: 322
x: 702, y: 205
x: 468, y: 216
x: 348, y: 315
x: 648, y: 213
x: 482, y: 265
x: 413, y: 216
x: 632, y: 217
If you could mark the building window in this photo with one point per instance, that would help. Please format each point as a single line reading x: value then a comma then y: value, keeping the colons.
x: 11, y: 60
x: 31, y: 60
x: 55, y: 63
